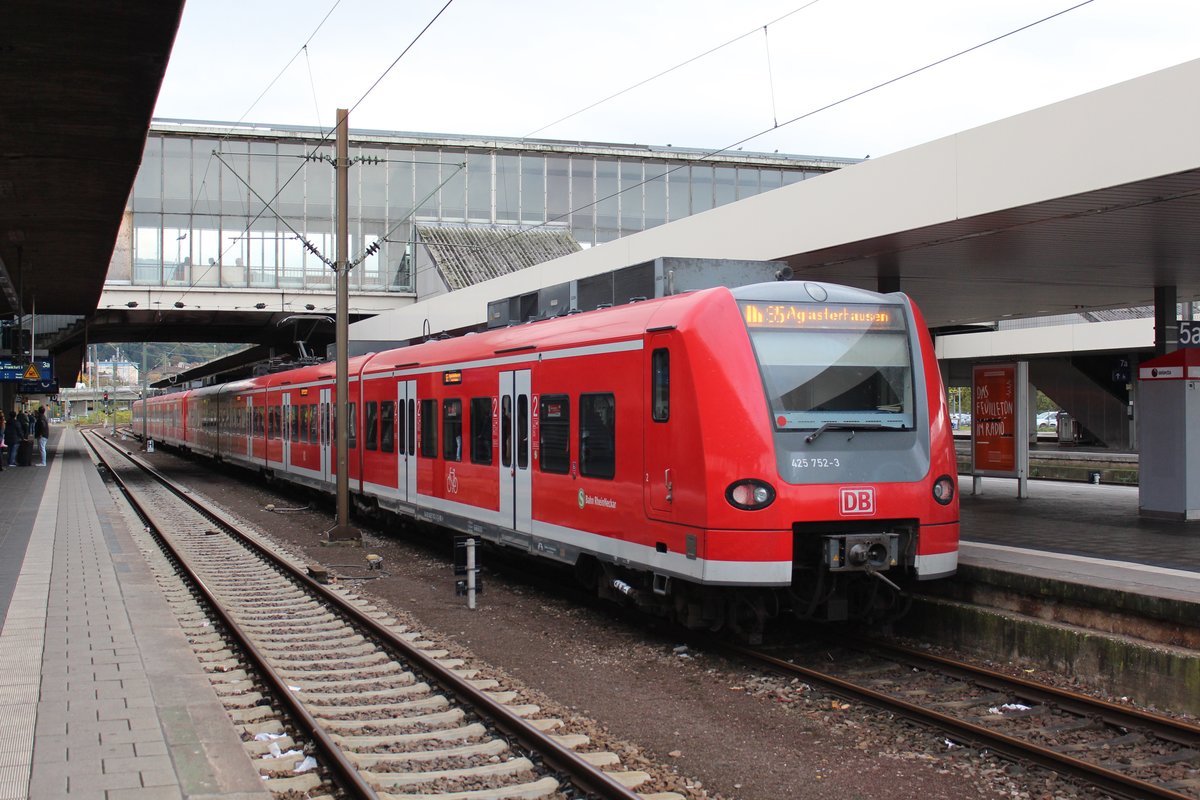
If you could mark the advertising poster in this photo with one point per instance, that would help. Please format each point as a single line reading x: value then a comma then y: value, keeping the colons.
x: 994, y: 420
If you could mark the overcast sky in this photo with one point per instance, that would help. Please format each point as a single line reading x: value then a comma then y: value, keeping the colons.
x: 511, y: 68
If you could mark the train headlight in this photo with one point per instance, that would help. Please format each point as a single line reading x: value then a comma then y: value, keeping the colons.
x: 943, y: 490
x: 750, y: 495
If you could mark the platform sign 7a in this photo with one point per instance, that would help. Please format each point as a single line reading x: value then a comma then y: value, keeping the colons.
x: 1189, y: 333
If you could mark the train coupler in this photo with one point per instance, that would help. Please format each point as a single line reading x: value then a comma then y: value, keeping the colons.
x: 862, y: 552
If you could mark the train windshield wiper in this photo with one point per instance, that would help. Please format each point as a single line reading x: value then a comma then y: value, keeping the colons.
x: 852, y: 427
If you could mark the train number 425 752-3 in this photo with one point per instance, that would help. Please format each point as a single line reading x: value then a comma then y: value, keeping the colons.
x: 815, y: 463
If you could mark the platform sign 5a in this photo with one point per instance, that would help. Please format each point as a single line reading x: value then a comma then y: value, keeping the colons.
x: 994, y: 394
x: 1189, y: 333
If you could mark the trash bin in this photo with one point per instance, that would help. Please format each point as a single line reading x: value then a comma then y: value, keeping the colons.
x: 1094, y: 478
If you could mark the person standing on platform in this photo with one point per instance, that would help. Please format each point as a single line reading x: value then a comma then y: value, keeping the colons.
x: 12, y: 437
x: 41, y: 429
x: 25, y: 429
x: 3, y: 442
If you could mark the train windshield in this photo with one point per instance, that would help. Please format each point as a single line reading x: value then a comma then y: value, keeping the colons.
x: 827, y: 365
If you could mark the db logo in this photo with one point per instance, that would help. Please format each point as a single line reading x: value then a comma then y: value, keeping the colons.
x: 858, y: 501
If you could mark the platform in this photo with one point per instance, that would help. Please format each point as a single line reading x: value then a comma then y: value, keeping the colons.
x: 97, y: 702
x: 1093, y: 530
x: 1079, y: 533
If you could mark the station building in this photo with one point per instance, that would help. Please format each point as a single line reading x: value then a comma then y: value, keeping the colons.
x: 198, y: 219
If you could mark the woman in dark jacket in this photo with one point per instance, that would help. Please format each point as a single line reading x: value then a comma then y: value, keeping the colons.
x: 12, y: 437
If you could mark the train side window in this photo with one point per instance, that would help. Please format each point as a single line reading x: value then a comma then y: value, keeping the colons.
x: 452, y: 429
x: 352, y: 424
x: 387, y: 427
x: 660, y: 371
x: 429, y: 429
x: 506, y: 430
x: 481, y: 430
x: 597, y: 435
x: 522, y: 431
x: 554, y: 433
x: 412, y: 427
x: 371, y: 426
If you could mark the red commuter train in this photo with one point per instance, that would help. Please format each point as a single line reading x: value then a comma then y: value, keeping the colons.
x: 720, y: 457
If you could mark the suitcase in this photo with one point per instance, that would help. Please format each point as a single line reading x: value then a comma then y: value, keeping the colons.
x: 25, y: 453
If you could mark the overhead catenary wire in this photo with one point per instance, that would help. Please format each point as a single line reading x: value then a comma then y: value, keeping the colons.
x: 312, y: 83
x: 325, y: 137
x: 208, y: 165
x: 709, y: 154
x: 403, y: 53
x: 369, y: 250
x: 657, y: 75
x: 309, y: 246
x: 770, y: 76
x: 668, y: 71
x: 303, y: 50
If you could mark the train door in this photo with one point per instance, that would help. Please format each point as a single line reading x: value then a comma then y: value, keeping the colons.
x: 286, y: 433
x: 660, y: 485
x: 516, y: 473
x: 249, y: 427
x: 325, y: 430
x: 406, y: 451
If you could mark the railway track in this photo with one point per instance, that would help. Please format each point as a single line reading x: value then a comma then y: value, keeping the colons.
x: 1119, y: 750
x: 382, y: 713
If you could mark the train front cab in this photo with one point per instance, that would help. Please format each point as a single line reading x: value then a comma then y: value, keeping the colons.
x: 835, y: 484
x: 862, y: 449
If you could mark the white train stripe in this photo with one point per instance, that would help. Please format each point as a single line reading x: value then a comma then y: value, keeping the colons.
x: 937, y: 565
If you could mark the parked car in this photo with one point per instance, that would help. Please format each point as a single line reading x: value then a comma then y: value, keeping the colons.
x: 1047, y: 419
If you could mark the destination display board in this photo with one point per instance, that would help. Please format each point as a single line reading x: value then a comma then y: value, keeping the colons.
x: 40, y: 370
x: 823, y: 316
x: 994, y: 420
x: 38, y: 387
